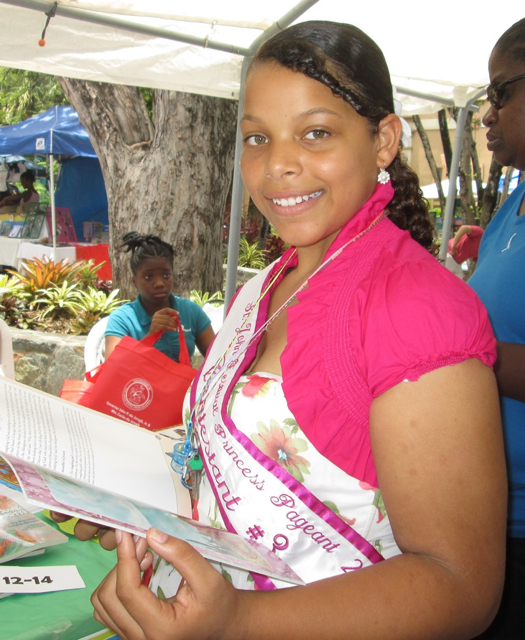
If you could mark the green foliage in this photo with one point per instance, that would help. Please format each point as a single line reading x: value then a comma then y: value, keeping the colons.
x: 58, y: 301
x: 149, y: 99
x: 100, y: 301
x: 94, y: 305
x: 41, y: 274
x: 251, y: 255
x: 55, y: 296
x: 87, y: 275
x: 201, y: 298
x: 12, y: 286
x: 13, y: 311
x: 83, y: 306
x: 25, y: 93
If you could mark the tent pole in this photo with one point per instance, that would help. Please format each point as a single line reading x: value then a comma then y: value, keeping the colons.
x: 100, y: 18
x: 53, y: 212
x: 454, y: 170
x: 236, y: 205
x: 282, y: 23
x: 237, y: 186
x: 107, y: 20
x: 452, y: 178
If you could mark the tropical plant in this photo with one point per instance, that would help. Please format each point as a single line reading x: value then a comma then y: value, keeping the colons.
x: 274, y: 248
x: 58, y: 301
x: 95, y: 304
x: 14, y: 311
x: 12, y: 286
x: 100, y: 302
x: 87, y: 276
x: 251, y: 255
x: 38, y: 274
x: 82, y: 323
x: 201, y: 298
x: 72, y: 305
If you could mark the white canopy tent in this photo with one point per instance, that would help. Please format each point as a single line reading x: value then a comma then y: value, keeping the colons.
x: 437, y: 55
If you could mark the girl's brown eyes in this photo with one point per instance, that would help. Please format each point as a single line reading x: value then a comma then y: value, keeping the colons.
x: 255, y: 140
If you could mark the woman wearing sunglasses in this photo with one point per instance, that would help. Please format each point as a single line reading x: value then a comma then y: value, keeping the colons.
x: 498, y: 280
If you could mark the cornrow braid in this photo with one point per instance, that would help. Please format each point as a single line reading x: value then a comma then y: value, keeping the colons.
x: 144, y: 246
x: 303, y: 57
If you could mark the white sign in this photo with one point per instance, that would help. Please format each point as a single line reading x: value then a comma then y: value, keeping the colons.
x: 39, y: 579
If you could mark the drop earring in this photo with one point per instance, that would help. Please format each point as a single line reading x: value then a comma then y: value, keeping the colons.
x: 383, y: 176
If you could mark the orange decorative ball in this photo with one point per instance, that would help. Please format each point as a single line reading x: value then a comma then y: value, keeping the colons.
x: 42, y: 42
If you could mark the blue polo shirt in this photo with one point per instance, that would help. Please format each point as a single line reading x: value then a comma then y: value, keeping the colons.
x: 498, y: 281
x: 131, y: 319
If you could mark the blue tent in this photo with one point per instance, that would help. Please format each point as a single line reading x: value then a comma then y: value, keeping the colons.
x: 58, y: 132
x: 81, y: 189
x: 55, y: 131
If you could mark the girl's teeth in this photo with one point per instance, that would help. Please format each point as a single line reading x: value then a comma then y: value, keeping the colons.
x: 289, y: 202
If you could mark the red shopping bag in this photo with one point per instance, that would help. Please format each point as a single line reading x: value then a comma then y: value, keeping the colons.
x: 140, y: 384
x: 75, y: 390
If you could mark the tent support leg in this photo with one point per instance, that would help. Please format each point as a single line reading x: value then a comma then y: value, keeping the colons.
x: 53, y: 210
x: 454, y: 170
x: 236, y: 205
x: 452, y: 178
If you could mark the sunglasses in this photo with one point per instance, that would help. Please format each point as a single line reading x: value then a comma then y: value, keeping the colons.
x: 496, y: 92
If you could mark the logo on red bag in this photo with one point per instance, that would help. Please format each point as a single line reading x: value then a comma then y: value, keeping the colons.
x: 137, y: 394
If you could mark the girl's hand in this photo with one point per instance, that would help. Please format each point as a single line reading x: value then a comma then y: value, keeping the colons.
x: 206, y: 605
x: 164, y: 320
x: 85, y: 530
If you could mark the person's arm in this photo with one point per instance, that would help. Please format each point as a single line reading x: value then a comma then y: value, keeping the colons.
x: 14, y: 198
x: 510, y: 370
x: 204, y: 339
x: 111, y: 343
x: 464, y: 230
x: 441, y: 468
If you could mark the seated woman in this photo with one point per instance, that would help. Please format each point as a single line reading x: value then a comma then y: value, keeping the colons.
x: 27, y: 197
x: 156, y: 307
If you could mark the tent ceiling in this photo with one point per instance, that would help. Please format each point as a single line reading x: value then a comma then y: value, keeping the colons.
x: 430, y: 50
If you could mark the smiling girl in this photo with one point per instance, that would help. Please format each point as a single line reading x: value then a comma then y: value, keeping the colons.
x: 332, y: 403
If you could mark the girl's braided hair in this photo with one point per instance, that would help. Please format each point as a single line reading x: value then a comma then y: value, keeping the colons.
x: 145, y: 246
x: 352, y: 66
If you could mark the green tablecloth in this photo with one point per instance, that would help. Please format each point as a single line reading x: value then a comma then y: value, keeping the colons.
x: 61, y: 615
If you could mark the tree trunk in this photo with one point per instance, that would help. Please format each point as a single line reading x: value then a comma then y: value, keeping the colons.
x: 445, y: 138
x: 490, y: 193
x: 477, y: 170
x: 430, y: 159
x: 466, y: 195
x: 168, y: 174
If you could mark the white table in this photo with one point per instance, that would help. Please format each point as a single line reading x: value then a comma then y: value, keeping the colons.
x: 13, y: 250
x: 28, y: 250
x: 9, y: 251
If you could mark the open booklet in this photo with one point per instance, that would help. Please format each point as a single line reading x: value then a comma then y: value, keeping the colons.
x: 21, y: 533
x: 85, y: 464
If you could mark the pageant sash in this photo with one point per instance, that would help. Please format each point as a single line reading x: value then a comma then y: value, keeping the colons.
x: 257, y: 498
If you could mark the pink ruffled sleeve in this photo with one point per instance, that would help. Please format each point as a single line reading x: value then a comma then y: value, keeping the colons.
x: 418, y: 319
